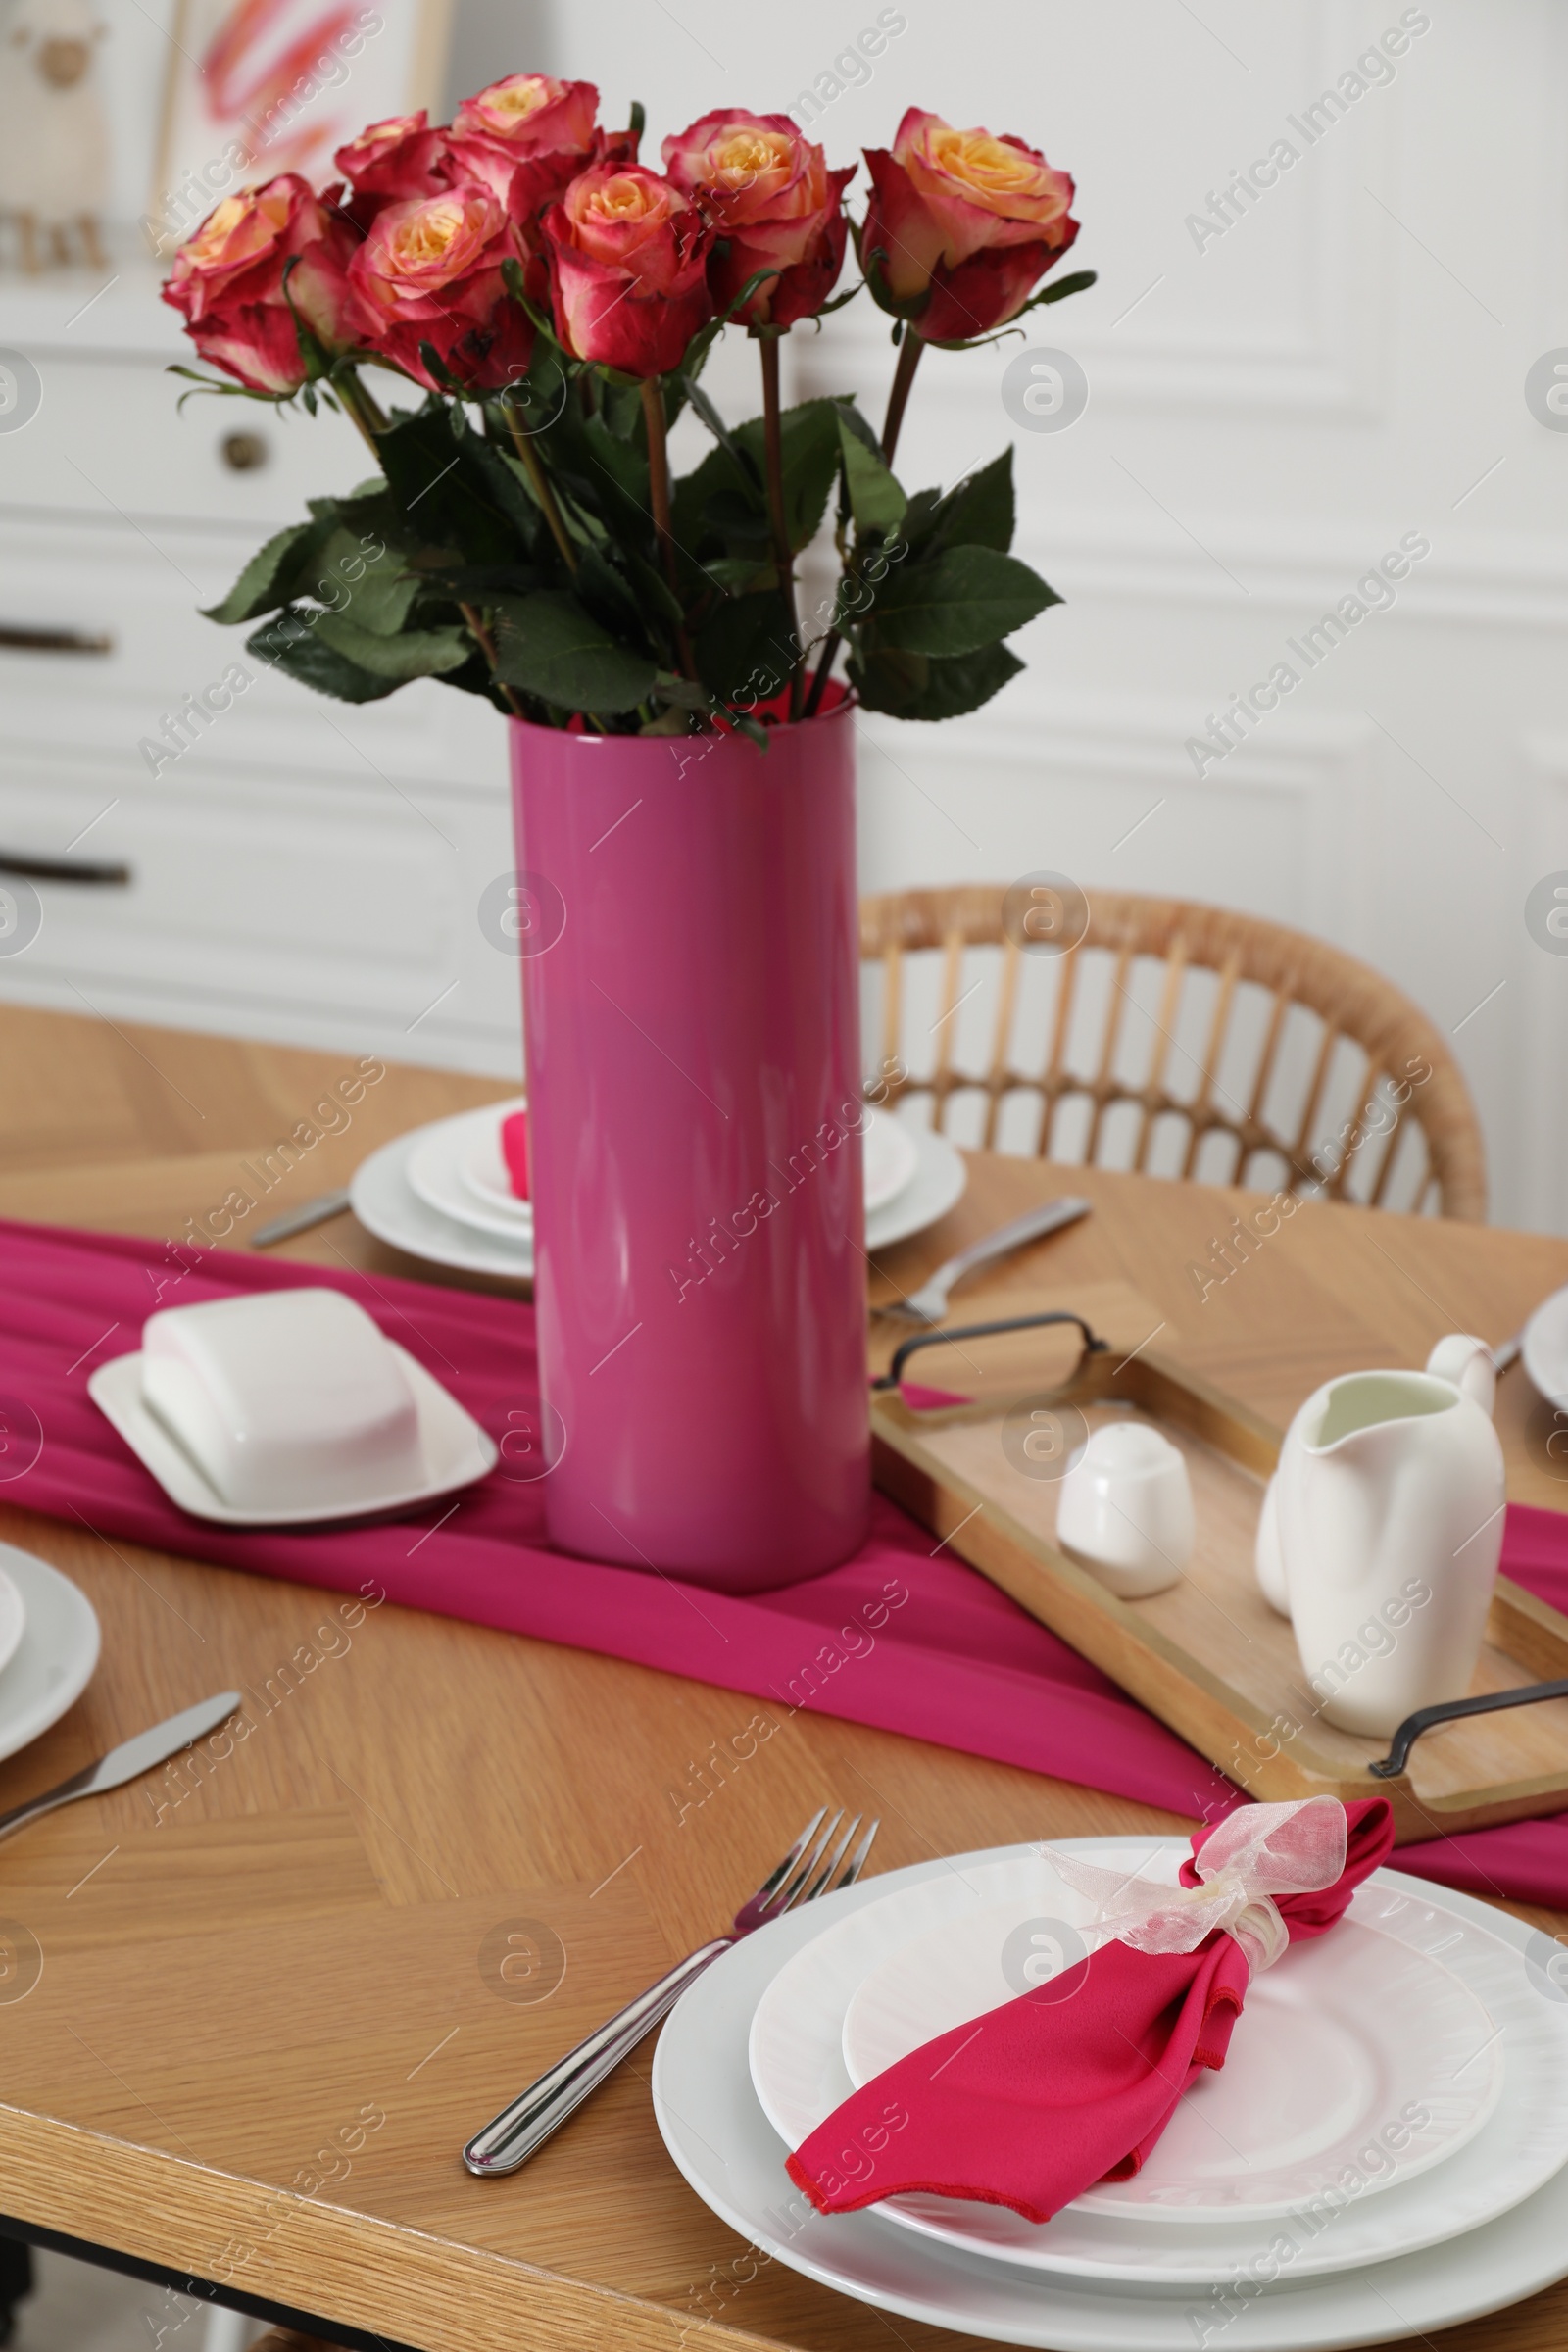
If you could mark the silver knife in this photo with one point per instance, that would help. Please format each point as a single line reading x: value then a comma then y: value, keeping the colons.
x: 300, y: 1220
x: 130, y: 1757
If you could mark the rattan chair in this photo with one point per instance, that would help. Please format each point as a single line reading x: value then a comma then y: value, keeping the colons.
x: 1165, y: 1036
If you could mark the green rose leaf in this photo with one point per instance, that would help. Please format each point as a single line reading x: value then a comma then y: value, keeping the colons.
x: 978, y: 512
x: 412, y: 654
x: 876, y: 500
x: 916, y: 686
x: 356, y: 576
x: 548, y: 646
x: 290, y: 644
x: 444, y: 487
x: 743, y: 647
x: 808, y: 437
x: 267, y: 579
x: 959, y: 603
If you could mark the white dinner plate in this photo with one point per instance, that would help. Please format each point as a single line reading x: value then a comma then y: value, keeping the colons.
x: 1347, y: 2033
x: 385, y: 1202
x: 1544, y: 1348
x: 53, y: 1662
x: 800, y: 2032
x: 438, y: 1171
x: 12, y: 1619
x: 891, y: 1156
x: 936, y: 1185
x: 456, y: 1452
x: 387, y: 1205
x: 724, y: 2146
x: 456, y: 1167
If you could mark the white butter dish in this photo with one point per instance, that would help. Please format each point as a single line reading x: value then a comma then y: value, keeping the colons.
x: 300, y: 1413
x: 291, y: 1392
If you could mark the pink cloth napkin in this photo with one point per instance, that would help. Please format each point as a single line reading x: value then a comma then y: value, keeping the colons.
x: 904, y: 1637
x: 515, y: 1150
x: 1034, y: 2102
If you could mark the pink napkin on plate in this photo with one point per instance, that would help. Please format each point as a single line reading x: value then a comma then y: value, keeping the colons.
x: 515, y: 1150
x: 1033, y: 2103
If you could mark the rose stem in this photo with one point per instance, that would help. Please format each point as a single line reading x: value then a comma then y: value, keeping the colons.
x: 910, y: 350
x: 360, y: 405
x: 542, y: 488
x: 658, y: 493
x: 784, y: 554
x: 487, y: 646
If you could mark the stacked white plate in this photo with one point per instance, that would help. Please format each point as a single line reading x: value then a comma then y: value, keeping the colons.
x: 1383, y: 2153
x: 442, y: 1192
x: 48, y: 1646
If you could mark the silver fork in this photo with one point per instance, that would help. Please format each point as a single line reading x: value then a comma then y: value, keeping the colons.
x: 929, y: 1304
x: 807, y: 1871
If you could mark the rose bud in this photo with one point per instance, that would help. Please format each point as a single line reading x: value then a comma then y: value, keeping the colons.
x: 628, y: 263
x: 770, y: 199
x: 431, y: 271
x: 960, y: 226
x: 228, y: 281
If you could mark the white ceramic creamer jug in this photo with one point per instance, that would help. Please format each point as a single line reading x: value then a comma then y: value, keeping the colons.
x: 1381, y: 1532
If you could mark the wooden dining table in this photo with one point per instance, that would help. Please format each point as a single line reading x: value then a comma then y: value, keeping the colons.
x: 269, y: 2012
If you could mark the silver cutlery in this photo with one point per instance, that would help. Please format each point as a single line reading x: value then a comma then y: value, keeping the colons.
x: 132, y: 1756
x: 1506, y: 1353
x: 300, y: 1220
x: 807, y: 1871
x: 929, y: 1304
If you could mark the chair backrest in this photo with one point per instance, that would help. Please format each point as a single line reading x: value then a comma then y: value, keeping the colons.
x: 1169, y: 1036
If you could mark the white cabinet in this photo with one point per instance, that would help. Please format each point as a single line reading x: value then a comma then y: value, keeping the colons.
x: 304, y: 869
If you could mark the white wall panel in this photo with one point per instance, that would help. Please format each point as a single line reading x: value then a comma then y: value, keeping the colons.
x: 1266, y: 416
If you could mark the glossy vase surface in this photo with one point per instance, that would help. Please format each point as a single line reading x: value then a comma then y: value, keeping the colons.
x: 686, y: 914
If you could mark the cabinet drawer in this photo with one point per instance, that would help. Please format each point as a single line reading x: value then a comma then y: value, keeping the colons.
x: 310, y: 909
x: 110, y: 438
x: 101, y: 639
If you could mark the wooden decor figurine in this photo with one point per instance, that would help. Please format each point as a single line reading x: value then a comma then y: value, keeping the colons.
x: 54, y: 135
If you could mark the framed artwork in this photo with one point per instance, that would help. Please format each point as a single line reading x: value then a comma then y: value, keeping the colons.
x: 255, y: 87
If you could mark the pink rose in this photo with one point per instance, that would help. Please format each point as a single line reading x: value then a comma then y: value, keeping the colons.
x: 400, y: 158
x: 961, y: 226
x: 628, y: 269
x: 772, y: 203
x: 526, y: 139
x: 431, y: 271
x: 228, y: 281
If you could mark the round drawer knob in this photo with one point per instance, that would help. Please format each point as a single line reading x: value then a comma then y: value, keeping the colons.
x: 244, y: 453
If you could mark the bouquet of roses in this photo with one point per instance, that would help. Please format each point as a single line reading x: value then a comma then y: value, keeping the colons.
x: 555, y: 300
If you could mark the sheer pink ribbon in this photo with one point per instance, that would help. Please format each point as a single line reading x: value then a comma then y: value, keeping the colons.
x: 1256, y: 1853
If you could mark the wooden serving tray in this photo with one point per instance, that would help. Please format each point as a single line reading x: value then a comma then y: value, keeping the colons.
x: 1208, y: 1656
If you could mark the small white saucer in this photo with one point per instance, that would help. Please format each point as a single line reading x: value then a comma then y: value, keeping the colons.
x: 53, y: 1662
x: 455, y: 1446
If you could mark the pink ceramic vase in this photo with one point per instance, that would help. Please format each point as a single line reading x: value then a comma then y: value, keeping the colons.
x: 688, y: 921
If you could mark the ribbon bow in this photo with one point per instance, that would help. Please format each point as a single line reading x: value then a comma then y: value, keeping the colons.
x: 1256, y: 1853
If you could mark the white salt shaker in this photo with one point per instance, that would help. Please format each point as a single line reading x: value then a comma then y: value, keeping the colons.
x: 1126, y: 1510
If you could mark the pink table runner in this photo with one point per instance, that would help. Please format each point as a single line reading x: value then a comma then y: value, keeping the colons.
x: 903, y: 1636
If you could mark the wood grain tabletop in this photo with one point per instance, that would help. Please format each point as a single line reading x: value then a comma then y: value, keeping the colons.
x: 270, y: 2008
